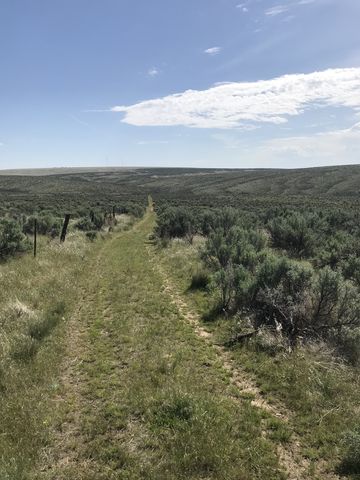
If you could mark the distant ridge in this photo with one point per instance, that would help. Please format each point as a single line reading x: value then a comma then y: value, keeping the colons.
x: 316, y: 181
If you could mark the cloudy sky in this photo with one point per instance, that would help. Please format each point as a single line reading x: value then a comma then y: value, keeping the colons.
x: 203, y: 83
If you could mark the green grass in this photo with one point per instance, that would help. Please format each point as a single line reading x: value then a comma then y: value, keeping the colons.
x: 36, y: 298
x: 102, y: 378
x: 153, y: 401
x: 320, y: 390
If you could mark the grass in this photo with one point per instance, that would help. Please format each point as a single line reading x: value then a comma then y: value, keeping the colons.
x: 151, y: 399
x: 319, y: 389
x: 102, y: 378
x: 36, y: 298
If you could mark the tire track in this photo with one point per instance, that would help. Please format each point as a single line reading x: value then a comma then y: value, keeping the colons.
x: 296, y: 466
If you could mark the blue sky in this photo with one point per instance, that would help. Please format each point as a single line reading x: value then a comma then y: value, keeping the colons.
x: 203, y: 83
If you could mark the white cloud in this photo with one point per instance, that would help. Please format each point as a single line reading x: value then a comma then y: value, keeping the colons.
x: 337, y: 143
x: 238, y: 105
x: 277, y: 10
x: 280, y: 9
x: 153, y: 72
x: 213, y: 50
x: 1, y: 144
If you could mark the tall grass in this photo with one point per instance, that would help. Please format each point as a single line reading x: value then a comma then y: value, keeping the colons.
x: 36, y: 296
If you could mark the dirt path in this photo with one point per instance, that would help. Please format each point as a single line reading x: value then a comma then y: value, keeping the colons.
x: 67, y: 438
x: 143, y: 392
x: 293, y: 462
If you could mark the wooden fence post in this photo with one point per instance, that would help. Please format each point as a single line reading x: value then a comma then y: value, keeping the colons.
x: 64, y: 228
x: 35, y: 236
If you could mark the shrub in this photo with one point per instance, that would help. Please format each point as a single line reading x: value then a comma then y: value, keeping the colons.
x: 200, y: 280
x: 46, y: 225
x: 284, y: 304
x: 351, y: 443
x: 12, y: 239
x: 293, y: 233
x: 336, y: 302
x: 351, y: 269
x: 134, y: 209
x: 94, y: 221
x: 91, y: 235
x: 348, y: 344
x: 84, y: 224
x: 177, y: 222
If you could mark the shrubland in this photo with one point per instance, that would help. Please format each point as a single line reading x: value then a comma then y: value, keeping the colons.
x: 281, y: 288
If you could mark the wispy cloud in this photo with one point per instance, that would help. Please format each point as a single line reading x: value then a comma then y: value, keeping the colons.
x: 243, y: 104
x: 1, y: 144
x: 153, y: 142
x: 283, y: 8
x: 243, y: 7
x: 305, y: 2
x: 153, y: 72
x: 336, y: 143
x: 213, y: 51
x: 79, y: 121
x: 277, y: 10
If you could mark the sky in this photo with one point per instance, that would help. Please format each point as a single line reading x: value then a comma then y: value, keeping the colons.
x: 179, y: 83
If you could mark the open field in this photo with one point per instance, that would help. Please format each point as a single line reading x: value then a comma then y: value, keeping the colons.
x: 147, y: 345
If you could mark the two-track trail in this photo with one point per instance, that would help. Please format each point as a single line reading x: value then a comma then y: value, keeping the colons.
x: 144, y: 393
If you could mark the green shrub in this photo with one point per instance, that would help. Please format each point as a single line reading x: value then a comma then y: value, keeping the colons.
x: 134, y: 209
x: 200, y: 280
x: 95, y: 221
x: 351, y: 443
x: 47, y: 224
x: 12, y: 239
x: 293, y: 233
x: 91, y: 235
x: 177, y: 222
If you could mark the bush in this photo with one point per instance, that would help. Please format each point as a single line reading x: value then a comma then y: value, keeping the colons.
x: 91, y: 235
x: 348, y: 345
x: 46, y: 225
x: 12, y: 239
x: 336, y: 302
x: 134, y: 209
x: 351, y: 269
x: 200, y: 280
x: 294, y: 233
x: 94, y: 221
x: 177, y: 222
x: 84, y: 224
x: 283, y: 301
x: 351, y: 443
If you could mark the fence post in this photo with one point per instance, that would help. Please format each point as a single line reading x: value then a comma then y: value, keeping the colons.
x: 64, y: 228
x: 113, y: 212
x: 35, y: 236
